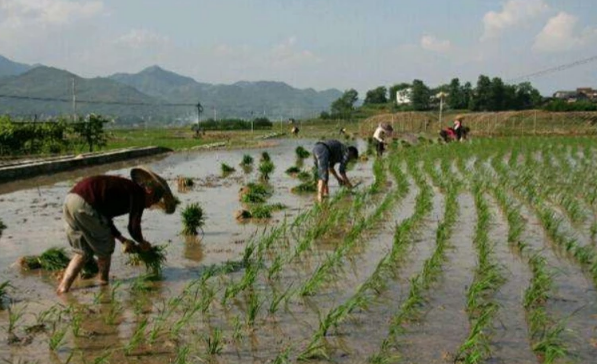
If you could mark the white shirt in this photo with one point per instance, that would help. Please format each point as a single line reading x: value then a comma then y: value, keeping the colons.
x: 379, y: 134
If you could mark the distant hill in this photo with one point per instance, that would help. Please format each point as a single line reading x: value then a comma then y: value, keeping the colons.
x: 153, y: 95
x: 36, y: 92
x: 10, y: 68
x: 241, y: 99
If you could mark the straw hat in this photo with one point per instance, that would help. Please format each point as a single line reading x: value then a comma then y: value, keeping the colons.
x: 459, y: 117
x: 143, y: 176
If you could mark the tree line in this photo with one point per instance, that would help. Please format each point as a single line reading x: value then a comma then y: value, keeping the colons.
x: 489, y: 94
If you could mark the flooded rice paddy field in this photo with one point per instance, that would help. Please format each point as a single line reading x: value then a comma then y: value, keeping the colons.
x: 480, y: 252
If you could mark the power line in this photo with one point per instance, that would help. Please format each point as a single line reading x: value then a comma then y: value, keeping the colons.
x: 555, y: 69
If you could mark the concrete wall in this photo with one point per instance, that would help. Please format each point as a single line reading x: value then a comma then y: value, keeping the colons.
x: 44, y: 167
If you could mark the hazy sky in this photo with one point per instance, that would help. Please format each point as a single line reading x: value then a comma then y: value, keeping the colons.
x: 321, y: 44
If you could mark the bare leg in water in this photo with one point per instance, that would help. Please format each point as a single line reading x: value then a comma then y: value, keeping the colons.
x: 71, y: 273
x: 104, y: 270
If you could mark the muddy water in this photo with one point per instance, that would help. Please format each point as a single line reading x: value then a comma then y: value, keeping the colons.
x: 510, y: 341
x: 33, y: 216
x: 437, y: 337
x: 574, y: 302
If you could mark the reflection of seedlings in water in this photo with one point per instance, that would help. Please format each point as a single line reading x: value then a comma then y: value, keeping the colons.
x: 246, y: 161
x: 305, y: 187
x: 153, y: 259
x: 137, y: 337
x: 192, y: 219
x: 265, y: 169
x: 301, y: 152
x: 226, y: 169
x: 140, y: 285
x: 254, y: 193
x: 214, y: 342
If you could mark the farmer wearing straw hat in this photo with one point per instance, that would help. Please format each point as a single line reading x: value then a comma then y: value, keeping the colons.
x: 379, y: 135
x: 326, y: 154
x: 90, y: 207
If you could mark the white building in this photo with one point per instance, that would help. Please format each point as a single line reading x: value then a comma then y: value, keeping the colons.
x: 404, y: 97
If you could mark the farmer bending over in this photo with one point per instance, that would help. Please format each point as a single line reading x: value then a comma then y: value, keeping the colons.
x: 92, y: 204
x: 379, y: 137
x: 326, y: 154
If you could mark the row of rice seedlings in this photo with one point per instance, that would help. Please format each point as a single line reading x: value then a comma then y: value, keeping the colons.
x: 542, y: 328
x: 352, y: 236
x: 409, y: 309
x: 376, y: 282
x: 480, y: 304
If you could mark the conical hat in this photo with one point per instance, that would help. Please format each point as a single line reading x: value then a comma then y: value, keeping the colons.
x: 145, y: 177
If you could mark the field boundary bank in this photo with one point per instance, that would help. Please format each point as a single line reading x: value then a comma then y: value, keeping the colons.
x: 33, y: 168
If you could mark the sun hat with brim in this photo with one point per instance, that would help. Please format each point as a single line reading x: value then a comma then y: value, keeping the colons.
x: 145, y: 177
x: 459, y: 117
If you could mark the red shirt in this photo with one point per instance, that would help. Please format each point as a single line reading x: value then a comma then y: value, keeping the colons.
x: 114, y: 196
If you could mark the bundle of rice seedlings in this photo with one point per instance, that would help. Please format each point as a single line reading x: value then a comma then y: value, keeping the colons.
x: 259, y: 211
x: 304, y: 176
x: 247, y: 160
x: 265, y: 157
x: 192, y: 219
x: 266, y: 168
x: 293, y: 170
x: 153, y: 259
x: 254, y: 193
x: 305, y: 187
x: 301, y: 152
x: 184, y: 183
x: 226, y: 169
x: 3, y: 288
x: 2, y: 226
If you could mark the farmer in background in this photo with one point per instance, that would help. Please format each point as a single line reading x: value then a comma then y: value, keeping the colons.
x: 380, y: 134
x: 326, y: 154
x: 92, y: 204
x: 456, y: 132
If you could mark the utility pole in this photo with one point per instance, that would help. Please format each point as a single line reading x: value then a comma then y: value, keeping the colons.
x: 441, y: 96
x: 199, y: 111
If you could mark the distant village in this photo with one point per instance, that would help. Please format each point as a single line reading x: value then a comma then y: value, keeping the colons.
x: 581, y: 94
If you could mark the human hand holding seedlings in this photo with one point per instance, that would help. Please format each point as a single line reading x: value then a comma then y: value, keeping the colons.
x: 145, y: 246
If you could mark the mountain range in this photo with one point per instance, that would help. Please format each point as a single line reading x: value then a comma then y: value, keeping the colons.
x: 152, y: 95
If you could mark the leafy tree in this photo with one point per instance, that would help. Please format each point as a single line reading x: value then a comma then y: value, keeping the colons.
x: 377, y: 96
x: 91, y: 129
x: 527, y: 97
x: 481, y: 100
x: 456, y: 97
x: 497, y: 95
x: 398, y: 87
x: 420, y: 96
x: 344, y: 106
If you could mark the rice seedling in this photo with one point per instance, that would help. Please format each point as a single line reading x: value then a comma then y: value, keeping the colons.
x: 253, y: 308
x: 192, y: 219
x: 301, y: 152
x: 137, y: 338
x: 277, y: 299
x: 153, y: 259
x: 265, y: 169
x: 255, y: 193
x: 226, y: 169
x: 283, y: 357
x: 214, y: 342
x: 57, y: 336
x: 182, y: 354
x: 294, y: 170
x: 247, y: 160
x: 265, y: 157
x: 237, y: 333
